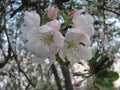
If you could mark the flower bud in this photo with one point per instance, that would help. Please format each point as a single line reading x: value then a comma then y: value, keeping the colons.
x: 52, y: 13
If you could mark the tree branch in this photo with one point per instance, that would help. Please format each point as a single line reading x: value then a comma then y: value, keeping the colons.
x: 66, y: 74
x: 57, y: 79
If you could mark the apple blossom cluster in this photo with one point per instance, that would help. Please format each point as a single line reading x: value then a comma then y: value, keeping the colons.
x: 46, y: 41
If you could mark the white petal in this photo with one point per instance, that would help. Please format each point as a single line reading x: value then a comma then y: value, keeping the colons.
x: 37, y: 48
x: 85, y: 53
x: 39, y: 59
x: 75, y: 56
x: 79, y: 20
x: 85, y: 23
x: 54, y: 49
x: 59, y: 39
x: 77, y: 36
x: 71, y: 56
x: 23, y: 37
x: 88, y: 29
x: 62, y: 54
x: 84, y: 38
x: 55, y: 24
x: 32, y: 18
x: 32, y: 33
x: 28, y: 33
x: 24, y: 28
x: 44, y: 28
x: 90, y: 19
x: 71, y: 34
x: 58, y: 42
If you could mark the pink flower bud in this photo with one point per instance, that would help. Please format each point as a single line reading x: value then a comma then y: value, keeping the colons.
x: 52, y: 13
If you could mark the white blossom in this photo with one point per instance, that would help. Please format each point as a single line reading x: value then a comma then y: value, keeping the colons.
x: 76, y: 46
x: 47, y: 42
x: 42, y: 41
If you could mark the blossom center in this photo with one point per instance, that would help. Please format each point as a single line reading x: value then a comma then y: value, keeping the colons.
x: 72, y: 44
x: 48, y: 38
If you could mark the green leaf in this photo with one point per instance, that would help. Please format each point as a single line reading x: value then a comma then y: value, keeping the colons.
x: 106, y: 78
x: 58, y: 59
x: 64, y: 15
x: 111, y: 33
x: 79, y: 5
x: 44, y: 19
x: 99, y: 62
x: 94, y: 59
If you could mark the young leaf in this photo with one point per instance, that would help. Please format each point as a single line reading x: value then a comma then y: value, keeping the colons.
x: 58, y: 59
x: 106, y: 78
